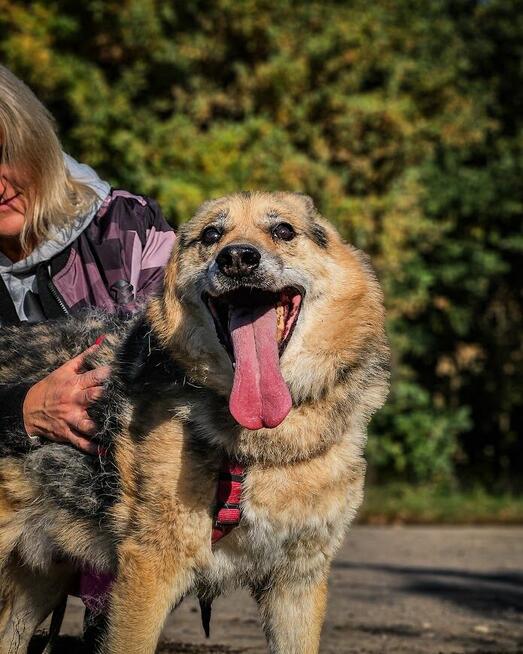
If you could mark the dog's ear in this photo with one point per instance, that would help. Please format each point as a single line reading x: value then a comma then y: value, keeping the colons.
x: 317, y: 230
x: 301, y: 202
x: 307, y: 202
x: 206, y: 206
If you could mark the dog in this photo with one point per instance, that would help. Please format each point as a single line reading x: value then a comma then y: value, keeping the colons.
x: 260, y: 364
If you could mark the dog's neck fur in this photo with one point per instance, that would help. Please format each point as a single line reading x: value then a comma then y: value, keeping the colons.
x: 307, y: 432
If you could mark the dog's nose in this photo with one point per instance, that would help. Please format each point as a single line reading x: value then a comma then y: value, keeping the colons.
x: 238, y: 260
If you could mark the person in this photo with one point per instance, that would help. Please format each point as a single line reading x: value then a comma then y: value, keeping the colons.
x: 67, y: 241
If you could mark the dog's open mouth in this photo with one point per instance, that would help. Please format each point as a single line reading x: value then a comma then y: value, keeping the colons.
x: 255, y: 326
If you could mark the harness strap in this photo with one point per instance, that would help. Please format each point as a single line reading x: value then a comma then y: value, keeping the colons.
x: 227, y: 512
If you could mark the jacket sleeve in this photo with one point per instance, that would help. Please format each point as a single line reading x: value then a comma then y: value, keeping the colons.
x: 13, y: 437
x: 159, y: 241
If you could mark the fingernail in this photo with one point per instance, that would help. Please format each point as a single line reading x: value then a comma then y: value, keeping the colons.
x: 100, y: 340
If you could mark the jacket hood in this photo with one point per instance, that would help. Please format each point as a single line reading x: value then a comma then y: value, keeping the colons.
x: 63, y: 237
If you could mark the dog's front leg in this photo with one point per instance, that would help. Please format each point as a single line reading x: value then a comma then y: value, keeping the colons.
x: 27, y: 597
x: 149, y: 583
x: 292, y: 614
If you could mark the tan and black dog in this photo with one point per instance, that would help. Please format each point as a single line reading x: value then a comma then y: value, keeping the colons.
x: 267, y: 349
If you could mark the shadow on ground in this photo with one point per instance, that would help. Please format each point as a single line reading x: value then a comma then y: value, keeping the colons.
x: 486, y: 593
x: 70, y: 645
x: 392, y: 591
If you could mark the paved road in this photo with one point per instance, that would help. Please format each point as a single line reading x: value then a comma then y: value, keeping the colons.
x: 430, y: 590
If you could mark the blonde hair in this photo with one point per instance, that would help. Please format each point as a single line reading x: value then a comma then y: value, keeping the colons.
x: 31, y: 149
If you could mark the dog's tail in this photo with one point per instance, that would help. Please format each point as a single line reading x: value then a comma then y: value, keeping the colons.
x: 205, y: 611
x: 55, y: 626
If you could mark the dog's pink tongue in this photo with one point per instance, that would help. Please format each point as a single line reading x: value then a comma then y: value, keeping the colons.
x: 259, y: 397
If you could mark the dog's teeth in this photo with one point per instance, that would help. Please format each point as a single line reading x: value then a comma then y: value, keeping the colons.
x: 280, y: 324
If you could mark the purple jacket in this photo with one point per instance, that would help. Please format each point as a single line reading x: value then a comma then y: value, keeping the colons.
x: 119, y: 259
x: 115, y: 263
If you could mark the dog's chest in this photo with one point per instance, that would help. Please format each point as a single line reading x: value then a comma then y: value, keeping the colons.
x: 284, y: 525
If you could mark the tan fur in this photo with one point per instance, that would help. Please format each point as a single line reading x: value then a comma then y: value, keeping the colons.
x: 26, y: 599
x: 304, y: 479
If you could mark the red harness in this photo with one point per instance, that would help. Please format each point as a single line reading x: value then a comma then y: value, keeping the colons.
x: 227, y: 512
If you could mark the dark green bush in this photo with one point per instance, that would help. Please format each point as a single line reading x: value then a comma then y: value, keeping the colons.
x: 402, y: 119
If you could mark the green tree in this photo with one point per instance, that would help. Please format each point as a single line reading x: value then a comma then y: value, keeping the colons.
x: 402, y: 120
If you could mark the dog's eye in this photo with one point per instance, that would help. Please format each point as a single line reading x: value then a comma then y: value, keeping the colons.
x: 284, y: 232
x: 210, y: 235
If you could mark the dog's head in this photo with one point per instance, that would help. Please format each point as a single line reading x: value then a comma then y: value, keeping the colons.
x: 268, y: 303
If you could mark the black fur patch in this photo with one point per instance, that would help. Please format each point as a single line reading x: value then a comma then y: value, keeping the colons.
x: 319, y: 236
x: 83, y: 485
x: 143, y: 370
x: 181, y: 239
x: 134, y: 352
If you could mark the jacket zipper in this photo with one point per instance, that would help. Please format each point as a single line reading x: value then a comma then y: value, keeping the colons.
x: 59, y: 301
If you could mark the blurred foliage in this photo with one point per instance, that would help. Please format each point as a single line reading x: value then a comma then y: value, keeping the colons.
x: 401, y: 503
x: 401, y: 118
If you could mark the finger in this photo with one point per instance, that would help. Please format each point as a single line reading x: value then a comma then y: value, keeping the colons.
x: 80, y: 422
x: 87, y: 396
x: 82, y: 443
x: 86, y: 426
x: 77, y: 362
x: 94, y: 377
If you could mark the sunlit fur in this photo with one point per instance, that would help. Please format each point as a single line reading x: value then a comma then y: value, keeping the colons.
x: 146, y: 509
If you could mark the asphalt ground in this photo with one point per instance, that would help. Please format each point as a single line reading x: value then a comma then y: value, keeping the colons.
x: 430, y: 590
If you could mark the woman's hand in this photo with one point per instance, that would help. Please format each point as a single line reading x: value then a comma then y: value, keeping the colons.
x: 56, y: 406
